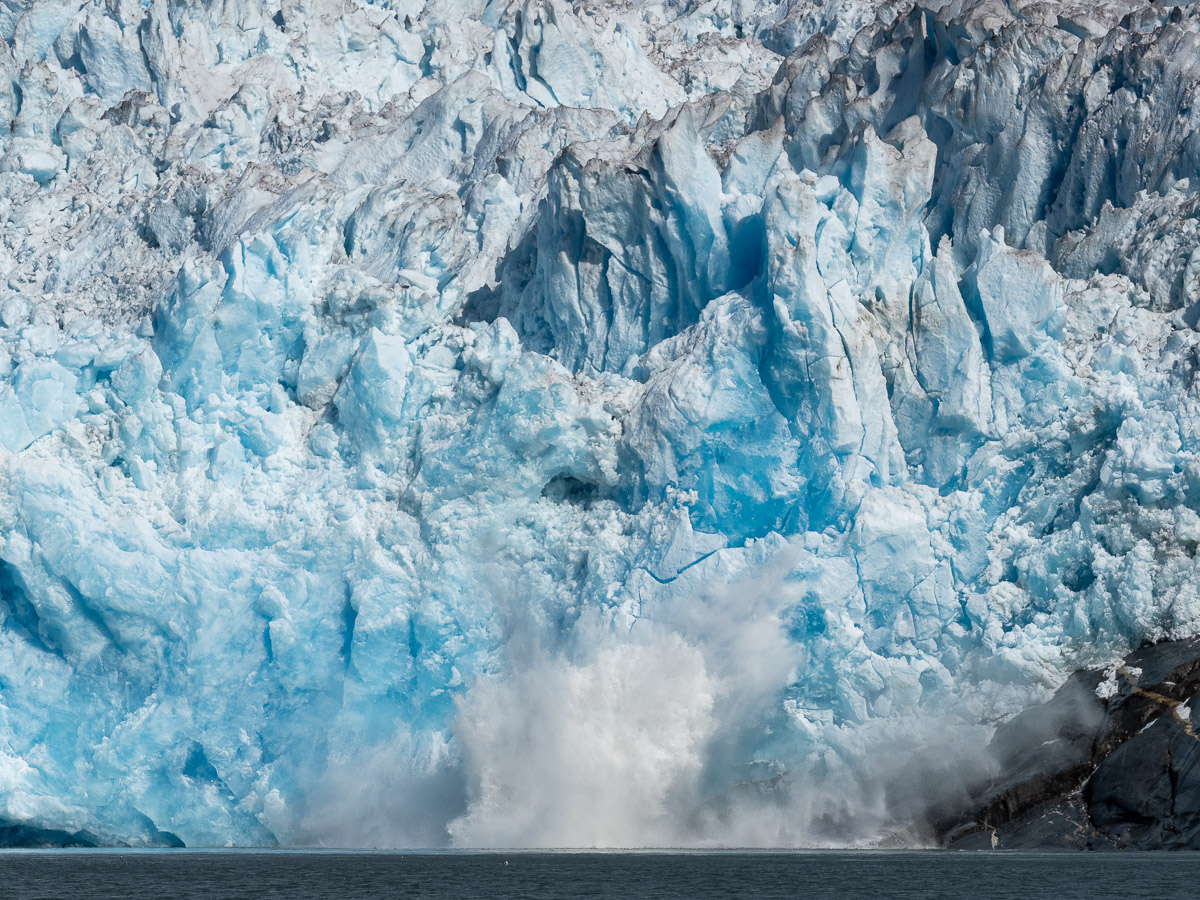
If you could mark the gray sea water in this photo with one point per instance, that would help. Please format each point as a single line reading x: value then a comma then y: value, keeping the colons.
x: 26, y: 875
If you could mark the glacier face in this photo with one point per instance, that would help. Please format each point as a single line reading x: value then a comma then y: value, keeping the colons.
x: 600, y: 424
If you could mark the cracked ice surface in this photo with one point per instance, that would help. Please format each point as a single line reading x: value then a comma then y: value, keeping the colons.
x: 535, y: 423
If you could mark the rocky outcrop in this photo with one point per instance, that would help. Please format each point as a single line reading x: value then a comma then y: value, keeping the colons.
x: 1112, y: 761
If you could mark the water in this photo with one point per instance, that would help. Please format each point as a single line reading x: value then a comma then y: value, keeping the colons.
x: 53, y: 875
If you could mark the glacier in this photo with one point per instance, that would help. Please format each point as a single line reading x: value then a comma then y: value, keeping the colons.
x: 537, y: 423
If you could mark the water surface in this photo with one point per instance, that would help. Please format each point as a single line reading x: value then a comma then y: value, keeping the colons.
x: 684, y: 875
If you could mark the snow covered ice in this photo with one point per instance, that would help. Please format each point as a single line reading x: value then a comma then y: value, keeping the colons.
x: 611, y: 424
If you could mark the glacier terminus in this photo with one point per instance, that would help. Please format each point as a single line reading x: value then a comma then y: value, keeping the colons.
x: 545, y: 423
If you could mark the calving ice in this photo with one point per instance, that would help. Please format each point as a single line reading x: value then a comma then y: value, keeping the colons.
x: 589, y: 424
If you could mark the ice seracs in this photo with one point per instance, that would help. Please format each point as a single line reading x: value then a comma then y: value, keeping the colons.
x: 743, y: 394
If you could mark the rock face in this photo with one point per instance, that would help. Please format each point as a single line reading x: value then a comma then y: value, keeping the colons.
x: 474, y: 422
x: 1110, y: 762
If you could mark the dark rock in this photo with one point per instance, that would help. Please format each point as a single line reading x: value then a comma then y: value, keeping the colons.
x: 1054, y: 825
x: 1147, y: 792
x: 1156, y: 679
x: 1098, y: 766
x: 1043, y: 753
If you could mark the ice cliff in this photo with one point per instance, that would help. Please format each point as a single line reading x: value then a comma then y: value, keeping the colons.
x: 538, y: 423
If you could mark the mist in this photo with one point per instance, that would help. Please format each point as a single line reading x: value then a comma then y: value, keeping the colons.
x: 641, y: 732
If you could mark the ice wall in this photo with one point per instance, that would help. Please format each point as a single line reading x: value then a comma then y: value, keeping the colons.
x: 594, y: 424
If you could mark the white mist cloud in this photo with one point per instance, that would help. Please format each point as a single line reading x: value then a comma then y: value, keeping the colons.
x: 586, y: 755
x: 620, y: 742
x: 382, y: 796
x: 647, y: 738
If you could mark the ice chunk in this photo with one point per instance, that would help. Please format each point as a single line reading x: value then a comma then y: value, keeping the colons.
x: 40, y: 398
x: 1019, y: 293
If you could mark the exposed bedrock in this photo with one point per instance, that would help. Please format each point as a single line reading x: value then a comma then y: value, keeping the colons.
x: 1111, y: 761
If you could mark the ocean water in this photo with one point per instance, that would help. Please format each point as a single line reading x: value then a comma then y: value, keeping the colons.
x: 55, y: 875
